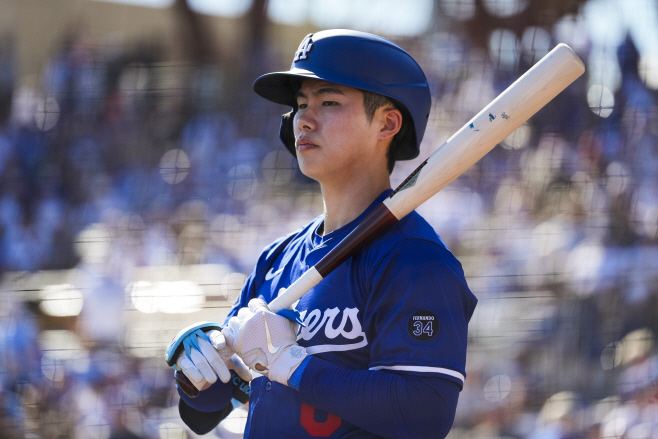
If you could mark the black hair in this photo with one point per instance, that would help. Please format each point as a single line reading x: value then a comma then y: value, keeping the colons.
x: 372, y: 102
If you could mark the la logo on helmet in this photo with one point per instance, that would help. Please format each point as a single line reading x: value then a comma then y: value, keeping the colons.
x: 304, y: 48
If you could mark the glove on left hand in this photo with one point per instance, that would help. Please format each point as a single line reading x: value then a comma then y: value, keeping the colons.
x: 265, y: 341
x: 199, y: 355
x: 211, y: 361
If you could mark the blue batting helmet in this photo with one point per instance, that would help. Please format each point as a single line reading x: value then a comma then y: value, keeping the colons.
x: 360, y: 60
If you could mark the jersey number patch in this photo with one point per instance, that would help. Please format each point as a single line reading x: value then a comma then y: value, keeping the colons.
x: 423, y: 325
x: 420, y: 329
x: 316, y: 428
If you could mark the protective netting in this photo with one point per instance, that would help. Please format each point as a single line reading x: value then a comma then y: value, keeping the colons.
x: 136, y: 191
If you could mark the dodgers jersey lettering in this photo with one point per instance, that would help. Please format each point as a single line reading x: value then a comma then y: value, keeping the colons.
x: 400, y: 305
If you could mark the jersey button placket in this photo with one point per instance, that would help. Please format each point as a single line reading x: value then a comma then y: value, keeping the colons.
x: 268, y: 386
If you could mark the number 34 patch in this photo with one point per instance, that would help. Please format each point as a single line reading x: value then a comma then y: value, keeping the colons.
x: 423, y: 325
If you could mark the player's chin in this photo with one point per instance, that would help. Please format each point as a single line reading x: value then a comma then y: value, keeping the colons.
x: 310, y: 166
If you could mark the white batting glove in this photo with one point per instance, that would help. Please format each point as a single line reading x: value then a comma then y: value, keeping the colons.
x: 265, y: 341
x: 212, y: 362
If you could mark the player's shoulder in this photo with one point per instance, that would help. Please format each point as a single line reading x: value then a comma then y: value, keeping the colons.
x: 411, y: 258
x: 412, y: 241
x: 414, y: 226
x: 411, y: 231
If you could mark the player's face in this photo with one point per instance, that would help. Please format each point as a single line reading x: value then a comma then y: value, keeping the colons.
x: 334, y: 137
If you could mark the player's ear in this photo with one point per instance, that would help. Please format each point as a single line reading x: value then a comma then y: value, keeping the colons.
x: 391, y: 123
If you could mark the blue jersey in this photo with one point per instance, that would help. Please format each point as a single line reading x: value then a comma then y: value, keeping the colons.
x: 400, y: 305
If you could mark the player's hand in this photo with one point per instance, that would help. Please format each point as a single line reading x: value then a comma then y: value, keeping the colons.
x: 265, y: 341
x: 213, y: 360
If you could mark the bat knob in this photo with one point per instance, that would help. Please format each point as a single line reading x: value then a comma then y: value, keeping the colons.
x: 185, y: 384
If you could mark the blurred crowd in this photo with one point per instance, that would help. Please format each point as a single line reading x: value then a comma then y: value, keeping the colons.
x: 115, y: 159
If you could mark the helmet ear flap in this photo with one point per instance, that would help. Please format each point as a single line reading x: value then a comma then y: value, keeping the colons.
x: 287, y: 133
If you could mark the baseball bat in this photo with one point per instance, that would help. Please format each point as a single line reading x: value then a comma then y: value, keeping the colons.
x: 520, y: 101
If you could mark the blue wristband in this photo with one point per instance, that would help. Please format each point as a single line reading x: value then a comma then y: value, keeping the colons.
x: 296, y: 377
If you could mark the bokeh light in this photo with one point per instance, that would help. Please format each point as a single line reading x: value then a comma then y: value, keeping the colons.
x: 392, y: 17
x: 648, y: 67
x: 505, y: 8
x: 224, y: 8
x: 519, y: 138
x: 93, y: 243
x: 47, y: 114
x: 497, y: 388
x: 611, y: 356
x: 61, y: 300
x: 535, y: 42
x: 176, y: 297
x: 242, y: 182
x: 504, y: 48
x: 278, y: 167
x: 600, y: 100
x: 458, y: 9
x: 170, y: 430
x: 174, y: 166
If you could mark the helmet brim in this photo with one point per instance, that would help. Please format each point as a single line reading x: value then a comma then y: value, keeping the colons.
x: 280, y: 87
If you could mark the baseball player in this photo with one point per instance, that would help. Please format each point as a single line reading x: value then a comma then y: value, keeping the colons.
x: 379, y: 347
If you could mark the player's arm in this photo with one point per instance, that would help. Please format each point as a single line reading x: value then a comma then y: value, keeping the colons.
x: 393, y: 405
x: 201, y: 354
x: 203, y: 413
x: 205, y: 368
x: 213, y: 403
x: 388, y: 404
x: 417, y: 321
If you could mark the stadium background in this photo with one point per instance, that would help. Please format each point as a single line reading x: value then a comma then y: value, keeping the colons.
x: 140, y: 177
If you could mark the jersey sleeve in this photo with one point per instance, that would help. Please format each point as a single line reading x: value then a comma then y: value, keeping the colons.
x: 203, y: 413
x: 418, y: 311
x: 248, y: 292
x: 386, y: 404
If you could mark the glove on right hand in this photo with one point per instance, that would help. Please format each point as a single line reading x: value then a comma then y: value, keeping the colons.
x: 265, y: 341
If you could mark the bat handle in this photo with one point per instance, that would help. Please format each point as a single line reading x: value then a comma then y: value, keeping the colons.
x: 380, y: 219
x: 185, y: 384
x: 294, y: 292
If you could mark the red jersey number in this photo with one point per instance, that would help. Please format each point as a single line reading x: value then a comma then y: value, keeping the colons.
x: 319, y: 429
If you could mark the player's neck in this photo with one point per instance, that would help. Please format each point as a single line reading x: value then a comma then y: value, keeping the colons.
x: 346, y: 200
